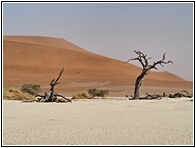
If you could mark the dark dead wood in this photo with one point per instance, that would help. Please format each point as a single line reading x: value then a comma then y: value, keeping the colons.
x: 186, y: 92
x: 55, y: 82
x: 151, y: 97
x: 159, y: 97
x: 180, y: 94
x: 164, y: 94
x: 60, y: 100
x: 144, y: 61
x: 52, y: 96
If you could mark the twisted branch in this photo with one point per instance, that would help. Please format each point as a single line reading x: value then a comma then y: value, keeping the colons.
x: 144, y: 60
x: 55, y: 82
x: 160, y: 62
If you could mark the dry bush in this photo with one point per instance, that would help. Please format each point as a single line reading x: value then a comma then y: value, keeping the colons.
x: 98, y: 92
x: 82, y: 95
x: 32, y: 89
x: 15, y: 94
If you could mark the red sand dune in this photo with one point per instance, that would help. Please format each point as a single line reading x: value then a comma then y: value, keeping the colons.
x: 38, y: 60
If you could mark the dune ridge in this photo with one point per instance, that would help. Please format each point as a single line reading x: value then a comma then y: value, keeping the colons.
x: 45, y: 41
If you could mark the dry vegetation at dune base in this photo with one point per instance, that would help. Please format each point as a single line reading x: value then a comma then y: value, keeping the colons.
x: 91, y: 93
x: 82, y: 95
x: 16, y: 94
x: 27, y: 92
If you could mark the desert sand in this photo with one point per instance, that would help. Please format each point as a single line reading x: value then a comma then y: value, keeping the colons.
x: 38, y: 60
x: 116, y: 121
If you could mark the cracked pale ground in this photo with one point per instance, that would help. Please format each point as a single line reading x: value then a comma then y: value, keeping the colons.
x: 99, y: 122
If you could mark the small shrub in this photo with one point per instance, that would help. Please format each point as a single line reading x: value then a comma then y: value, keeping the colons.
x: 31, y: 89
x: 15, y: 94
x: 82, y: 95
x: 98, y: 92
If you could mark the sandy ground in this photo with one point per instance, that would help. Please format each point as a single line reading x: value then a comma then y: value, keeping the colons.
x: 99, y: 122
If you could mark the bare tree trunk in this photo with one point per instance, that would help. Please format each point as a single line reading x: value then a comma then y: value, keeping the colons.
x: 143, y: 59
x: 138, y: 84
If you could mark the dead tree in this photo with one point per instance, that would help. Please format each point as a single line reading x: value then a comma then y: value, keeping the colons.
x: 152, y: 97
x: 143, y: 59
x: 52, y: 96
x: 149, y: 97
x: 180, y: 94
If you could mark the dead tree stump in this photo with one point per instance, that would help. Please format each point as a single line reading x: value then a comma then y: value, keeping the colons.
x: 52, y: 96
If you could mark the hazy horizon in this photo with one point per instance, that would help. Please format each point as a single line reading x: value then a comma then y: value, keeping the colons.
x: 111, y: 29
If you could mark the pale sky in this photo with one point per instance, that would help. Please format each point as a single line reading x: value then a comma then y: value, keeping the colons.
x: 112, y: 29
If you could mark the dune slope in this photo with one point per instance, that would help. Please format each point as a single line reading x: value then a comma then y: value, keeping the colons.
x: 31, y: 59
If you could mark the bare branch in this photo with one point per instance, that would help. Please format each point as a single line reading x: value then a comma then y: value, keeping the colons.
x: 185, y: 92
x: 59, y: 76
x: 128, y: 60
x: 146, y: 60
x: 57, y: 95
x: 51, y: 83
x: 55, y: 82
x: 160, y: 62
x: 141, y: 58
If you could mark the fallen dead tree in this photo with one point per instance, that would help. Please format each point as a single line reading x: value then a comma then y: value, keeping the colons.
x: 149, y: 97
x: 180, y: 94
x: 152, y: 97
x: 52, y: 96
